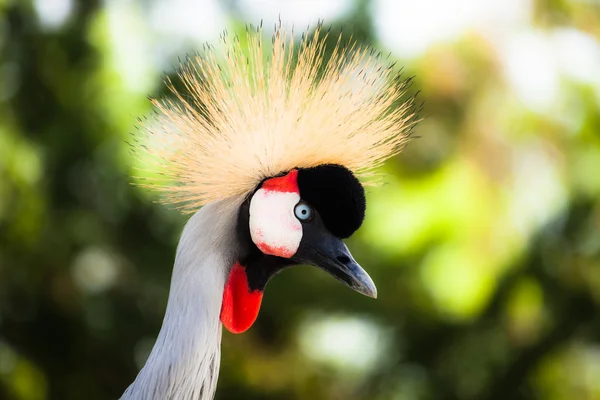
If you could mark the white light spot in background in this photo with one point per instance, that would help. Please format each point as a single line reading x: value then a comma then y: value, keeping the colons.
x: 347, y: 343
x: 53, y: 13
x: 535, y: 61
x: 199, y: 20
x: 409, y: 28
x: 300, y: 13
x: 181, y: 26
x: 537, y: 193
x: 531, y: 69
x: 95, y: 270
x: 130, y: 48
x: 578, y: 54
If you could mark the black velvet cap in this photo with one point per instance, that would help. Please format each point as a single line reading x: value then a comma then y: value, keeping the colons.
x: 336, y: 194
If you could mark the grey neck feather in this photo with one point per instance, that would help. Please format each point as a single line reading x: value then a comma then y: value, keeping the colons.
x: 184, y: 363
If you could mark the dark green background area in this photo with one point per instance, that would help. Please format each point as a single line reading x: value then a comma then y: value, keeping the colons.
x: 484, y: 241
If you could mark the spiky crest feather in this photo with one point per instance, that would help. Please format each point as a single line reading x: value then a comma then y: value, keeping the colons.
x: 255, y: 113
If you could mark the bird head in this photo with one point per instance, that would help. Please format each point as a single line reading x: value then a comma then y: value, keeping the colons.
x: 297, y: 218
x: 288, y: 130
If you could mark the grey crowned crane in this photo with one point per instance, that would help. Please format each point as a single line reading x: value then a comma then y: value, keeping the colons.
x: 264, y: 144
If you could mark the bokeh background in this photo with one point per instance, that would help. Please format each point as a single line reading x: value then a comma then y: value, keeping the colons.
x: 484, y: 242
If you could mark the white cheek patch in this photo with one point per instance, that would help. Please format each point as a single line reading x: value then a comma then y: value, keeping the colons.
x: 274, y: 228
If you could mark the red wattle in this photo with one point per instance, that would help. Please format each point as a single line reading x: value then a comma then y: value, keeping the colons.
x: 286, y: 183
x: 240, y: 304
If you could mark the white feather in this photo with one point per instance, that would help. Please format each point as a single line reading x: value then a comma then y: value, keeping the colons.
x: 184, y: 363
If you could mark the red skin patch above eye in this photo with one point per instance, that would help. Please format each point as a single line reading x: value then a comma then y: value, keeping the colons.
x: 240, y: 304
x: 286, y: 183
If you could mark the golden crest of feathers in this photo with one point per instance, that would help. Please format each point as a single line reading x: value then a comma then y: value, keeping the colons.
x: 256, y: 109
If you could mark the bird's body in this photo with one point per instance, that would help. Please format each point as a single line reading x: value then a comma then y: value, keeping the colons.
x: 269, y: 150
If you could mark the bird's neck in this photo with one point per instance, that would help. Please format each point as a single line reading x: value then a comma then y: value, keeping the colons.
x: 184, y: 363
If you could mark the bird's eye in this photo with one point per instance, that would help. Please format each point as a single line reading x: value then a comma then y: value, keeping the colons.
x: 303, y: 212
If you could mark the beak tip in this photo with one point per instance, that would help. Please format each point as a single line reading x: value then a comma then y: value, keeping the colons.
x: 368, y: 289
x: 372, y: 294
x: 363, y: 283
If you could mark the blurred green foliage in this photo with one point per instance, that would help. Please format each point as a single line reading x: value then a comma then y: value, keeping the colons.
x: 484, y: 242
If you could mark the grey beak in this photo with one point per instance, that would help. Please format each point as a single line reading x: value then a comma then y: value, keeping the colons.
x: 321, y: 249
